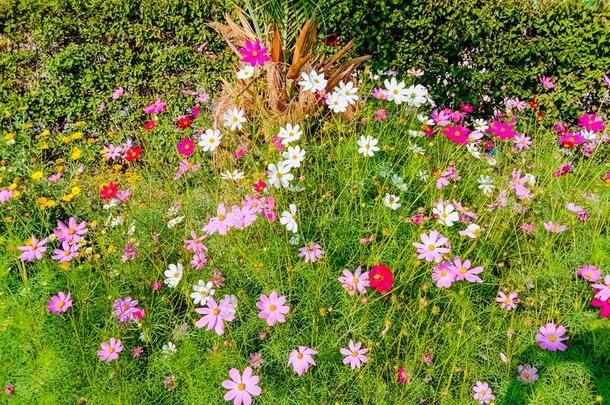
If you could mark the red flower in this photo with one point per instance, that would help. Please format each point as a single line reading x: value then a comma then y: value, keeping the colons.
x: 133, y: 153
x: 259, y: 186
x: 380, y: 278
x: 186, y: 147
x: 185, y: 122
x: 109, y: 190
x: 150, y: 124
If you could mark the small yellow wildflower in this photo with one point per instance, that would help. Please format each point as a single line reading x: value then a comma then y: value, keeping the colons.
x: 76, y: 153
x: 37, y: 175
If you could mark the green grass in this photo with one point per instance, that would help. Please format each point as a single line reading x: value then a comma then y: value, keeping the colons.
x: 52, y: 358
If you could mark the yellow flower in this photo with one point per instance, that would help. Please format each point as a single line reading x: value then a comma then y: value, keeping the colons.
x: 64, y: 266
x: 44, y: 146
x: 37, y: 175
x: 76, y: 190
x: 9, y: 138
x: 23, y: 108
x: 91, y: 141
x: 76, y: 135
x: 67, y: 197
x: 43, y: 134
x: 76, y: 153
x: 50, y: 203
x: 65, y: 139
x: 80, y: 123
x: 28, y: 125
x: 41, y: 201
x: 111, y: 249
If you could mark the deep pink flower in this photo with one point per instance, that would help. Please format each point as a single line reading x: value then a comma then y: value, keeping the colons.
x: 156, y: 107
x: 503, y: 130
x: 547, y: 82
x: 254, y: 54
x: 186, y: 147
x: 591, y: 123
x: 462, y: 271
x: 125, y: 309
x: 604, y: 305
x: 72, y: 232
x: 272, y: 308
x: 401, y: 376
x: 59, y: 303
x: 570, y: 140
x: 241, y: 388
x: 550, y: 337
x: 457, y: 134
x: 66, y: 253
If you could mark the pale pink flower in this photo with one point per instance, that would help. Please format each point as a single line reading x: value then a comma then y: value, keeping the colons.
x: 354, y: 354
x: 311, y: 252
x: 72, y: 232
x: 462, y: 271
x: 550, y: 337
x: 110, y: 350
x: 215, y: 315
x: 33, y: 249
x: 604, y: 289
x: 358, y: 281
x: 301, y: 359
x: 221, y: 223
x: 554, y: 228
x: 433, y: 247
x: 442, y: 275
x: 272, y: 308
x: 527, y: 374
x: 507, y: 302
x: 589, y: 272
x: 482, y: 393
x: 241, y: 388
x: 66, y: 253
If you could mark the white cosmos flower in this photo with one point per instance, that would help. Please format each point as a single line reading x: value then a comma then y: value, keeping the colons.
x: 472, y: 231
x: 446, y: 214
x: 232, y: 175
x: 367, y: 145
x: 423, y: 175
x: 348, y: 91
x: 395, y: 91
x: 480, y: 125
x: 288, y: 218
x: 391, y: 201
x: 279, y: 176
x: 416, y: 149
x: 336, y: 102
x: 416, y: 95
x: 202, y: 291
x: 313, y: 81
x: 169, y: 349
x: 210, y: 140
x: 173, y: 275
x: 294, y: 156
x: 472, y: 149
x: 174, y: 221
x: 486, y: 184
x: 234, y: 118
x: 246, y: 72
x: 290, y: 133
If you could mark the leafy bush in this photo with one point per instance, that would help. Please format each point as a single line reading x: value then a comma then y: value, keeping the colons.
x: 472, y: 48
x: 63, y: 57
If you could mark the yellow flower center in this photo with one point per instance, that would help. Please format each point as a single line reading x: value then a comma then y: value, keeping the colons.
x: 241, y: 386
x: 299, y: 356
x: 431, y: 247
x: 216, y: 311
x: 272, y: 307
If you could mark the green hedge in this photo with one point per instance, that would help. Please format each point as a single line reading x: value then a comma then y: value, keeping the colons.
x: 508, y: 45
x: 62, y: 57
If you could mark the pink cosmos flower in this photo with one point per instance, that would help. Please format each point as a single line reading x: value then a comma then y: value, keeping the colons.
x: 547, y: 82
x: 570, y: 140
x: 186, y: 147
x: 554, y: 228
x: 507, y: 302
x: 112, y: 152
x: 527, y: 374
x: 6, y: 194
x: 357, y: 281
x: 101, y: 107
x: 156, y: 107
x: 518, y: 183
x: 462, y: 271
x: 440, y: 118
x: 433, y: 247
x: 72, y: 232
x: 125, y: 309
x: 59, y: 303
x: 442, y: 275
x: 591, y: 123
x: 110, y: 350
x: 241, y: 388
x: 241, y: 217
x: 604, y: 289
x: 522, y: 142
x: 254, y: 54
x: 33, y: 249
x: 272, y: 308
x: 604, y: 305
x: 354, y: 354
x: 220, y: 223
x: 379, y: 94
x: 66, y: 253
x: 401, y: 376
x: 458, y: 134
x: 301, y: 359
x: 311, y: 252
x: 550, y: 337
x: 503, y: 130
x: 195, y: 244
x: 129, y: 252
x: 118, y: 92
x: 589, y: 272
x: 215, y: 315
x: 199, y: 260
x: 483, y: 393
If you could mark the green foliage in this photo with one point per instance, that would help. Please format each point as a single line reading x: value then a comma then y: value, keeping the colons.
x: 63, y: 57
x: 472, y: 48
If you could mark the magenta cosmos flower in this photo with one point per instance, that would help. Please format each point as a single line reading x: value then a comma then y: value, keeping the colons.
x: 110, y: 350
x: 59, y: 303
x: 550, y: 337
x: 457, y: 134
x: 186, y: 147
x: 311, y: 252
x: 72, y: 232
x: 301, y: 359
x: 503, y: 130
x: 547, y: 82
x: 215, y: 315
x: 125, y: 309
x: 354, y: 354
x: 241, y: 387
x: 591, y: 123
x: 33, y: 249
x: 254, y: 54
x: 358, y: 281
x: 272, y: 308
x: 66, y: 253
x: 482, y: 392
x: 604, y: 305
x: 432, y: 247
